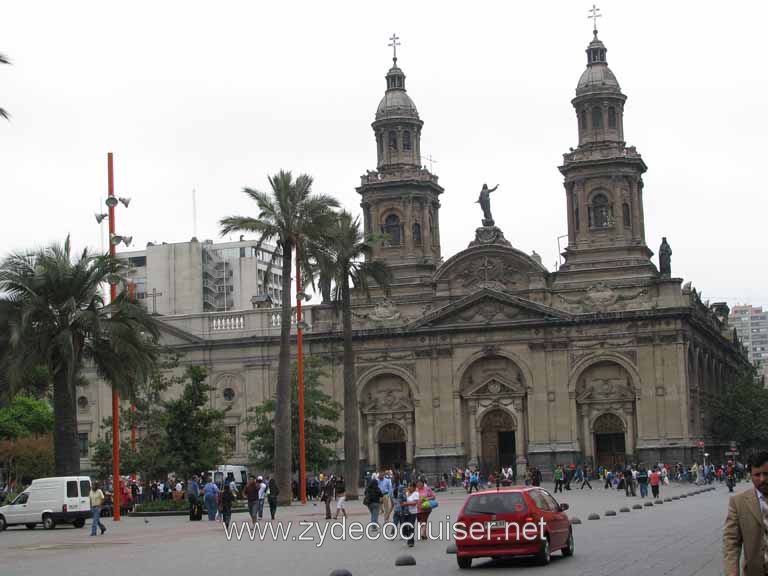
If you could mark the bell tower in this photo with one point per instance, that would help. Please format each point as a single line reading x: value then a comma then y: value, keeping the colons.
x: 603, y: 181
x: 400, y: 200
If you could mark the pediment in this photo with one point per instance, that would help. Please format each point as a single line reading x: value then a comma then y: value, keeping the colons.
x: 173, y: 336
x: 487, y: 306
x: 494, y: 387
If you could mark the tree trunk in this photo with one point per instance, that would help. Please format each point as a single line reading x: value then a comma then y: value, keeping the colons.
x: 66, y: 448
x: 351, y: 428
x: 283, y: 445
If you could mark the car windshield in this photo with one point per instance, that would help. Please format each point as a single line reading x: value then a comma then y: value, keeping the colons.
x: 496, y: 503
x: 21, y: 498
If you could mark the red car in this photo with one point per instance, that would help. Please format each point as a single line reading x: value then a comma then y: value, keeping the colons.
x: 516, y: 521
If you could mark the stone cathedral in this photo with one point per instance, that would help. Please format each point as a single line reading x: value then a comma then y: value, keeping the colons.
x: 487, y: 358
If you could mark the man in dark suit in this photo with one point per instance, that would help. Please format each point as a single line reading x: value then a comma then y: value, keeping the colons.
x: 747, y: 524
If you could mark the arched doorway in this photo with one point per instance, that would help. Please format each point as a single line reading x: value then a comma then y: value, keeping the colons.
x: 610, y: 444
x: 497, y: 439
x: 392, y: 446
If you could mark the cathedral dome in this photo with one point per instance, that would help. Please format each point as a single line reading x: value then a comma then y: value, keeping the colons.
x: 597, y: 77
x: 396, y: 103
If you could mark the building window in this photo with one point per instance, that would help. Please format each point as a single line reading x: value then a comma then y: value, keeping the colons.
x: 82, y: 440
x: 417, y: 234
x: 599, y: 212
x: 611, y: 117
x: 627, y: 216
x: 392, y: 230
x: 380, y: 144
x: 583, y: 119
x: 229, y: 394
x: 407, y: 140
x: 392, y: 140
x: 82, y: 402
x: 597, y: 117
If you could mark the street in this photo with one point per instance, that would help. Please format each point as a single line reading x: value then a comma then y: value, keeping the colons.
x: 682, y: 537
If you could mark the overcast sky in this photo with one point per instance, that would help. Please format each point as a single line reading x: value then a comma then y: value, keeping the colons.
x: 216, y: 96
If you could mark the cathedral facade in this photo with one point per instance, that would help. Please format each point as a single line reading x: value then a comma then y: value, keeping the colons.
x: 487, y: 358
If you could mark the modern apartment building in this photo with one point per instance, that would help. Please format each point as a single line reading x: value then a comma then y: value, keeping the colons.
x: 751, y: 324
x: 195, y: 277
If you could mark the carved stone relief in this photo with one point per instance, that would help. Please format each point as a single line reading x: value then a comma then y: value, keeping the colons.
x: 387, y: 393
x: 600, y: 296
x: 489, y: 272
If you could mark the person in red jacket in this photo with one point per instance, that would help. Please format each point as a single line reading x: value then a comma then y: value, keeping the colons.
x: 655, y: 481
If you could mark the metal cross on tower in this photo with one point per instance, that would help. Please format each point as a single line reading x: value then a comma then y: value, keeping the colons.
x: 395, y: 42
x: 594, y: 16
x: 155, y: 294
x: 431, y: 161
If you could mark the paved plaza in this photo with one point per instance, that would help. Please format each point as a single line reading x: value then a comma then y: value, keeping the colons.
x: 682, y: 537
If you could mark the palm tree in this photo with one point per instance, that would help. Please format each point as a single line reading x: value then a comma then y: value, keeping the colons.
x: 291, y: 217
x: 4, y: 60
x: 58, y: 319
x: 340, y: 262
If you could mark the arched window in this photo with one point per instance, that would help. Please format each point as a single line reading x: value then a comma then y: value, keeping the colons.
x: 583, y: 120
x: 599, y: 212
x: 392, y: 230
x: 627, y: 215
x: 417, y: 234
x: 380, y: 143
x: 575, y: 203
x: 392, y: 140
x: 407, y: 140
x: 611, y: 117
x: 597, y: 117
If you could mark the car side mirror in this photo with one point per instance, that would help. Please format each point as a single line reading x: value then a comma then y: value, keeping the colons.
x: 563, y: 507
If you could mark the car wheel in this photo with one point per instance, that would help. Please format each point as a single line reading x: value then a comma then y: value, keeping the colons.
x: 464, y: 562
x: 545, y: 554
x: 48, y: 522
x: 79, y: 523
x: 3, y: 523
x: 569, y: 546
x: 31, y: 526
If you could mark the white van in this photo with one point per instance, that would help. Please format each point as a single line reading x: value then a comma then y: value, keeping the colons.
x: 230, y: 473
x: 50, y: 501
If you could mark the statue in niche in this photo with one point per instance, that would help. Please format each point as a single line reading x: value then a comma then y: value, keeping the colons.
x: 485, y: 203
x: 665, y: 258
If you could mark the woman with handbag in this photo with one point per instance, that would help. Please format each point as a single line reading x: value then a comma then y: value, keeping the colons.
x: 426, y: 502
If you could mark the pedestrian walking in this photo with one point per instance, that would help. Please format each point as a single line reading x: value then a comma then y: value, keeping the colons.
x: 211, y: 499
x: 263, y: 487
x: 97, y: 501
x: 559, y: 478
x: 193, y: 497
x: 655, y: 481
x: 329, y: 491
x: 642, y: 481
x: 385, y: 485
x: 272, y: 493
x: 372, y: 499
x: 585, y: 478
x: 746, y: 526
x: 227, y: 499
x: 341, y: 498
x: 252, y: 496
x: 411, y: 507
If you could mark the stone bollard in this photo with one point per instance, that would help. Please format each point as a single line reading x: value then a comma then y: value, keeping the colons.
x: 610, y: 512
x: 341, y: 572
x: 648, y: 504
x: 451, y: 549
x: 683, y: 496
x: 593, y: 516
x: 575, y: 520
x: 658, y: 501
x: 637, y: 507
x: 625, y: 509
x: 405, y: 560
x: 675, y: 497
x: 667, y: 499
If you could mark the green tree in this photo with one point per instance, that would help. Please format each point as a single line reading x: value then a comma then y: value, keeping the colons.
x: 194, y: 432
x: 58, y: 319
x: 320, y: 412
x: 27, y: 458
x: 291, y: 217
x: 25, y: 416
x: 741, y: 412
x: 4, y: 60
x: 341, y: 263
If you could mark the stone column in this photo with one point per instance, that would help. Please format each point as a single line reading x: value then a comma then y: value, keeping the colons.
x: 410, y: 441
x: 426, y: 228
x: 630, y: 445
x: 408, y: 226
x: 587, y: 437
x: 520, y: 444
x: 372, y: 456
x: 473, y: 434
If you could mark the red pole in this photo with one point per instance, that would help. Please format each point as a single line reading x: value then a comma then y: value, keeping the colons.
x: 131, y: 289
x: 300, y: 370
x: 115, y: 400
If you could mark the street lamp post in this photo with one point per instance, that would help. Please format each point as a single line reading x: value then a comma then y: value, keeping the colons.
x: 114, y: 240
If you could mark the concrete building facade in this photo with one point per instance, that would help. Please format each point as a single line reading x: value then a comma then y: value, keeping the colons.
x: 488, y: 358
x: 751, y: 325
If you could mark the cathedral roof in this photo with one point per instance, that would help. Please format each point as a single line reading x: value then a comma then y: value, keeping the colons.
x: 396, y: 103
x: 597, y: 77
